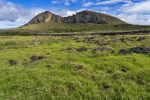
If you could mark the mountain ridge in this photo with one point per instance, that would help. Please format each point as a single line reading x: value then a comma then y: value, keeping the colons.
x: 80, y: 17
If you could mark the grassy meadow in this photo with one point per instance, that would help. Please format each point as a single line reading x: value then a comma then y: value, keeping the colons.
x: 49, y: 28
x: 74, y: 68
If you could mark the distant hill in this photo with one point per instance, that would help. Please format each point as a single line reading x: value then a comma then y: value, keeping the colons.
x: 85, y: 21
x: 45, y: 17
x: 80, y: 17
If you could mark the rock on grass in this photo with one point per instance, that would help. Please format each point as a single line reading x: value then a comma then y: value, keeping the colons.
x: 36, y: 58
x: 135, y: 50
x: 12, y: 62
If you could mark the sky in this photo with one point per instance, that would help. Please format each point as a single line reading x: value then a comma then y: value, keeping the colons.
x: 14, y: 13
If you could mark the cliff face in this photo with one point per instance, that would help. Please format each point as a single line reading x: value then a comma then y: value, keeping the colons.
x: 81, y: 17
x: 45, y: 17
x: 92, y: 17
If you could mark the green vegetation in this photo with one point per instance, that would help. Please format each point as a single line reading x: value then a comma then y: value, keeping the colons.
x: 61, y: 27
x: 88, y: 67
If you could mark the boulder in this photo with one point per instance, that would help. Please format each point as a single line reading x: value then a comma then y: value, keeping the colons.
x: 12, y: 62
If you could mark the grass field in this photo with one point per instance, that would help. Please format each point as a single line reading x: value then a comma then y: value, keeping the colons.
x: 70, y: 28
x: 74, y: 68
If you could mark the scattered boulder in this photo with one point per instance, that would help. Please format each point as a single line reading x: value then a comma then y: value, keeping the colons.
x: 12, y: 62
x: 140, y: 50
x: 35, y: 58
x: 82, y: 49
x: 135, y: 50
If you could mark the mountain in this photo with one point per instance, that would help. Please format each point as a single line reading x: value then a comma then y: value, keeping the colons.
x: 92, y: 17
x: 80, y: 17
x: 45, y: 17
x: 47, y: 22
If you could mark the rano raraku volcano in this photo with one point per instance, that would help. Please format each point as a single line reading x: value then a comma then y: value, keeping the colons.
x: 80, y: 17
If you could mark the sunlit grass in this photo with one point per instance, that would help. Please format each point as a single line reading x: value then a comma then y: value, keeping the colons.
x: 69, y: 74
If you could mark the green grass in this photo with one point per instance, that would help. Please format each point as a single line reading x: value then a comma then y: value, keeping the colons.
x: 60, y: 27
x: 73, y: 75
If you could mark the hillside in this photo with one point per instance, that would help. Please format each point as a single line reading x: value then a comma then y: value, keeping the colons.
x: 85, y: 21
x: 45, y: 17
x: 81, y: 21
x: 80, y: 17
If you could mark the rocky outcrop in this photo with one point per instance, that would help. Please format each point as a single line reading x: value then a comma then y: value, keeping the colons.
x: 46, y: 17
x: 80, y: 17
x: 135, y: 50
x: 92, y: 17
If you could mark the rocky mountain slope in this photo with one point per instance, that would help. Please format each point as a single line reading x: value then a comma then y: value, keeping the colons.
x: 45, y: 17
x: 85, y: 21
x: 80, y: 17
x: 92, y: 17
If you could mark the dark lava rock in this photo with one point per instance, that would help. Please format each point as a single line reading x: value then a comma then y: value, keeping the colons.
x: 12, y: 62
x: 140, y: 50
x: 135, y: 50
x: 35, y: 58
x: 82, y: 49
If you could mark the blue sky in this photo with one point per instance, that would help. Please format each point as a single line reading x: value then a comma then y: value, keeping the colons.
x: 14, y: 13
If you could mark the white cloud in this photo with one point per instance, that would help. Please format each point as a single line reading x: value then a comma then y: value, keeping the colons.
x: 139, y: 7
x: 65, y: 2
x: 9, y: 24
x: 135, y: 18
x: 12, y: 15
x: 87, y: 4
x: 136, y: 13
x: 111, y: 2
x: 66, y: 12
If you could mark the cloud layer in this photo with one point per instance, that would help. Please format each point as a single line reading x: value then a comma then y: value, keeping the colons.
x: 13, y: 15
x: 132, y: 11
